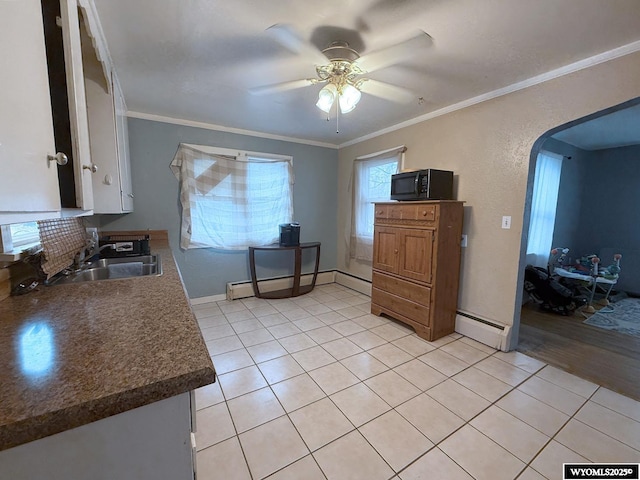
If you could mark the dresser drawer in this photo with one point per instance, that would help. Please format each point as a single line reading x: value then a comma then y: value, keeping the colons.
x: 381, y: 211
x: 415, y: 293
x: 405, y: 211
x: 393, y: 303
x: 412, y: 211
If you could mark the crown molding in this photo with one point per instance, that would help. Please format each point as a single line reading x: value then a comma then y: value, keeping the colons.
x: 558, y: 72
x: 538, y: 79
x: 220, y: 128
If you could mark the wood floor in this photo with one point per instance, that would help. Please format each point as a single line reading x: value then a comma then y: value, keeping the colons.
x: 608, y: 358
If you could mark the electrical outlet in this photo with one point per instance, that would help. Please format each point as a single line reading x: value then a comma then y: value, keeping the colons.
x: 463, y: 241
x: 506, y: 222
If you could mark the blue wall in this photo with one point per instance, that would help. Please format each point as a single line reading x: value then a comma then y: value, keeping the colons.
x: 610, y: 204
x: 567, y: 230
x: 597, y: 210
x: 206, y: 271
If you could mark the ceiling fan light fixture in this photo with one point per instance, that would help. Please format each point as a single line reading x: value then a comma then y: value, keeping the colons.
x: 349, y: 98
x: 326, y: 97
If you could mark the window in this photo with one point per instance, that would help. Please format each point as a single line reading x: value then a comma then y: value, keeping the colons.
x: 24, y: 233
x: 371, y: 183
x: 232, y: 200
x: 543, y: 208
x: 19, y: 235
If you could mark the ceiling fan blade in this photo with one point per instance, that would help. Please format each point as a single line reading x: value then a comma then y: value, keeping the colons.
x: 290, y: 39
x: 395, y: 53
x: 388, y: 91
x: 281, y: 87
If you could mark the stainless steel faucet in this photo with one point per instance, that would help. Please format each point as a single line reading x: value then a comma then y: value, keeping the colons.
x: 81, y: 256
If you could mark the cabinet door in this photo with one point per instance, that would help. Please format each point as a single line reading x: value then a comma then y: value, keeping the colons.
x: 77, y: 104
x: 109, y: 140
x: 28, y: 182
x: 415, y: 254
x: 385, y: 249
x: 122, y: 139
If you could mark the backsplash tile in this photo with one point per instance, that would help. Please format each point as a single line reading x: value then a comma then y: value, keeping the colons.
x: 61, y: 240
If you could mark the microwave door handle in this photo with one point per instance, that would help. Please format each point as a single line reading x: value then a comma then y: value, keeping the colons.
x: 416, y: 185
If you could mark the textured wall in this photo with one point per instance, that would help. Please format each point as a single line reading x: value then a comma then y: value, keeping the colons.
x: 206, y: 271
x: 489, y: 146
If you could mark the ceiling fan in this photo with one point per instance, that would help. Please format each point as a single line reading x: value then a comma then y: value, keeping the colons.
x: 343, y: 71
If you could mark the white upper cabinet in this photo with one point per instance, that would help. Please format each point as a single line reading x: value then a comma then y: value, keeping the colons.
x: 46, y: 47
x: 122, y: 135
x: 83, y: 166
x: 108, y: 132
x: 28, y: 181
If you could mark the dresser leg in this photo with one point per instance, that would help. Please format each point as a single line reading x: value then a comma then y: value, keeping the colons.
x: 424, y: 334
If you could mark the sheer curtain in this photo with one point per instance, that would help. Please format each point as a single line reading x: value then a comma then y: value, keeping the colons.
x: 543, y: 207
x: 232, y: 201
x: 371, y: 182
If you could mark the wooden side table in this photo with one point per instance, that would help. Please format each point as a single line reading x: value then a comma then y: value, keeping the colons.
x: 297, y: 289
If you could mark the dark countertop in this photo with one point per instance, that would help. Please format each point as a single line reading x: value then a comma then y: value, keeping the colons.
x: 74, y: 354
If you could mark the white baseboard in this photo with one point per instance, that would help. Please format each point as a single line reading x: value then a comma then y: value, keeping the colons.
x: 491, y: 333
x: 210, y: 298
x: 239, y: 290
x: 354, y: 283
x: 497, y: 336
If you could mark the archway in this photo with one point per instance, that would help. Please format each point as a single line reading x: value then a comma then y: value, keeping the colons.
x: 562, y: 340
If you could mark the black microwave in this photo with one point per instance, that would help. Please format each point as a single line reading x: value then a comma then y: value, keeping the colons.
x: 427, y: 184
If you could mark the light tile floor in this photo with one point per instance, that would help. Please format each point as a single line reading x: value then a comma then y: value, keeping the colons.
x: 316, y: 387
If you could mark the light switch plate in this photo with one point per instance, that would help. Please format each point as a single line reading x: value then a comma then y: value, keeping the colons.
x: 463, y: 242
x: 506, y: 222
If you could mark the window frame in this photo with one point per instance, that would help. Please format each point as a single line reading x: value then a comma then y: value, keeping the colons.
x: 12, y: 243
x: 361, y: 245
x: 187, y: 241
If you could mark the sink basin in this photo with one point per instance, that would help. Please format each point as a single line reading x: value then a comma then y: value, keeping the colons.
x: 144, y: 259
x: 112, y: 269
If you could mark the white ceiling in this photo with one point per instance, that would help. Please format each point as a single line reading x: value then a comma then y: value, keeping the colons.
x: 196, y: 59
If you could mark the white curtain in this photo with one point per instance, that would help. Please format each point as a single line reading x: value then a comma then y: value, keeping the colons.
x: 371, y: 183
x: 543, y: 208
x: 232, y: 202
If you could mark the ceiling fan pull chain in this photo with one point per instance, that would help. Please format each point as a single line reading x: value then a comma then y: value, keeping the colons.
x: 337, y: 116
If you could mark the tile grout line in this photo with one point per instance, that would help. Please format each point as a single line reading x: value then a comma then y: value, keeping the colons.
x: 468, y: 422
x: 391, y: 408
x: 414, y: 357
x: 553, y: 438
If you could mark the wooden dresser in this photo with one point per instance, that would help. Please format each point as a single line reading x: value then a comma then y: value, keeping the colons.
x: 416, y: 264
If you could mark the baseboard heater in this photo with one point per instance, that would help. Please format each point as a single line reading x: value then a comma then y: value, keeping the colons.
x: 491, y: 333
x: 244, y: 289
x: 358, y: 284
x: 486, y: 331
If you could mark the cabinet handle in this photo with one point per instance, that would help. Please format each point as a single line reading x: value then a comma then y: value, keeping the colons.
x: 60, y: 158
x: 395, y: 251
x: 130, y: 195
x: 424, y: 213
x: 93, y: 167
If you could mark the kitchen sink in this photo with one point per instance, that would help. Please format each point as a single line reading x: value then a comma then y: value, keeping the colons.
x: 151, y: 260
x: 112, y: 269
